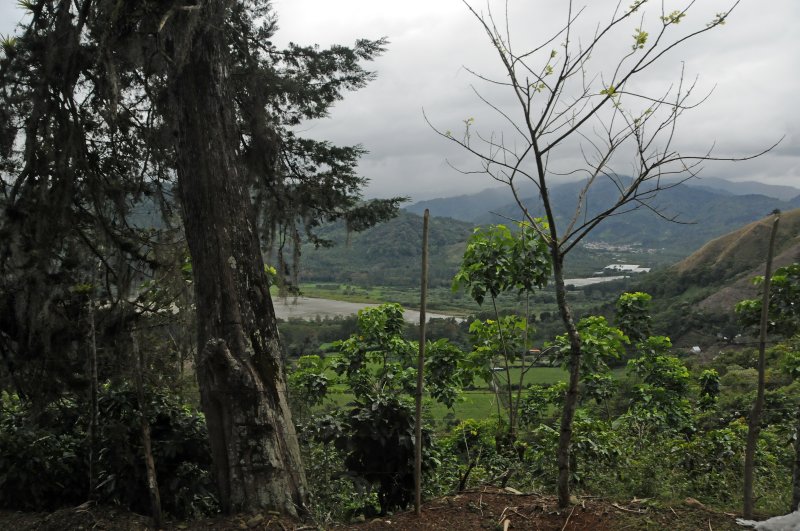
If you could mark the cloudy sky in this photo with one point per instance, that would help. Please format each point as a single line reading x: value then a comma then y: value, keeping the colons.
x: 750, y: 63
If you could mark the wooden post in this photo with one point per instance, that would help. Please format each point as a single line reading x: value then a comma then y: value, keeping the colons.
x: 754, y: 426
x: 94, y: 429
x: 420, y: 367
x: 796, y: 470
x: 152, y: 481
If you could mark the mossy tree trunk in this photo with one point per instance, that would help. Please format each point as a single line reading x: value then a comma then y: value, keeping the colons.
x: 239, y: 363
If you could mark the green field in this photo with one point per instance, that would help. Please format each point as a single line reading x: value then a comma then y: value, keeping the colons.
x: 478, y: 403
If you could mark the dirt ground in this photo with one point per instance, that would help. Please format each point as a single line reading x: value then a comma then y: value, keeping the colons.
x: 487, y: 508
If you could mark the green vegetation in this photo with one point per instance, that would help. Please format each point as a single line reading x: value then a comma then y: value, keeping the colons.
x: 658, y: 428
x: 133, y: 288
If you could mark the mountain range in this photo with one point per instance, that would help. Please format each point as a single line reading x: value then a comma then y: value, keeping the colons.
x: 702, y: 211
x: 466, y: 207
x: 389, y: 254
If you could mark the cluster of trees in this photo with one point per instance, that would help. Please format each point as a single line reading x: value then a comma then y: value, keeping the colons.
x: 670, y: 427
x: 108, y: 106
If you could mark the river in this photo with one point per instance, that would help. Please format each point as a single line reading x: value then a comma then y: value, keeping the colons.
x: 309, y: 308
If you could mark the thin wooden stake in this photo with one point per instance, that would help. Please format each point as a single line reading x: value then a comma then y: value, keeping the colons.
x: 420, y: 367
x: 755, y: 415
x: 152, y: 481
x: 94, y: 428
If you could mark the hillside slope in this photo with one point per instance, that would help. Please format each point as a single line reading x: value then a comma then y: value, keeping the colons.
x: 387, y: 254
x: 695, y: 298
x: 703, y: 212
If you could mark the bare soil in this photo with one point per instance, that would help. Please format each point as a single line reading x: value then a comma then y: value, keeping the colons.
x: 487, y: 508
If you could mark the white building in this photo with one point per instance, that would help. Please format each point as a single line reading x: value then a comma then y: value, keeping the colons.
x: 627, y: 268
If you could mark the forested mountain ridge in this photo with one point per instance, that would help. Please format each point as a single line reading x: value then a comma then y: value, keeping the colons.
x: 700, y: 212
x: 387, y: 254
x: 470, y: 207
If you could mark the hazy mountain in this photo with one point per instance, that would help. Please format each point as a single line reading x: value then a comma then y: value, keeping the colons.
x: 476, y: 207
x: 701, y: 213
x: 468, y: 207
x: 745, y: 187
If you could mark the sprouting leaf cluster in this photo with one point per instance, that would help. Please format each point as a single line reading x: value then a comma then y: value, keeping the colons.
x: 498, y: 260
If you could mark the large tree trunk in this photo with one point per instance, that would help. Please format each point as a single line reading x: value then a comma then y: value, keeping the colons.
x: 239, y: 366
x: 571, y: 400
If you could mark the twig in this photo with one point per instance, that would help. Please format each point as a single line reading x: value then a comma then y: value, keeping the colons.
x: 568, y: 517
x: 503, y: 515
x: 514, y: 510
x: 510, y: 510
x: 673, y: 511
x: 621, y: 508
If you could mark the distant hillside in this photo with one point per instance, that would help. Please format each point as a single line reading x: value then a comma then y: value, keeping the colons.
x: 473, y: 207
x: 695, y: 297
x: 745, y: 187
x: 387, y: 254
x: 741, y: 255
x: 467, y: 207
x: 702, y: 213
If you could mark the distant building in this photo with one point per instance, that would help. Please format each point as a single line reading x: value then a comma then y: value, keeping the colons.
x: 627, y: 268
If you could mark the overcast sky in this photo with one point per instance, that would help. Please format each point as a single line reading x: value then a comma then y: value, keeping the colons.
x: 750, y: 63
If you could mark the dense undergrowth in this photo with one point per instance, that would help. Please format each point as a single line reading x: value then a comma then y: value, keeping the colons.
x: 44, y: 453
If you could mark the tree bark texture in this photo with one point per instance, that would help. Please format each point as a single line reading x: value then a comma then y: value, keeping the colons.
x: 239, y: 365
x: 571, y: 399
x: 94, y: 414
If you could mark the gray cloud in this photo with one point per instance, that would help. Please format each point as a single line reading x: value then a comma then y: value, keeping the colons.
x: 749, y: 63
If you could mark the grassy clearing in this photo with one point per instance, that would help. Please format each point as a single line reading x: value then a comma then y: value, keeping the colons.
x: 479, y: 403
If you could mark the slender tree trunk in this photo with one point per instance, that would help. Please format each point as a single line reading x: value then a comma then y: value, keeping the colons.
x: 239, y: 357
x: 152, y: 480
x: 423, y: 299
x: 754, y: 426
x: 571, y: 400
x: 511, y: 435
x: 522, y: 364
x: 94, y: 410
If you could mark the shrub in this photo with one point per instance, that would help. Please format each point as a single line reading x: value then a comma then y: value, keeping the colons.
x: 42, y: 464
x: 44, y: 454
